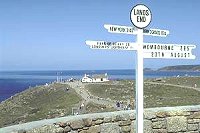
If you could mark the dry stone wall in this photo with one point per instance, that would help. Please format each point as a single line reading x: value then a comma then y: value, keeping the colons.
x: 157, y: 120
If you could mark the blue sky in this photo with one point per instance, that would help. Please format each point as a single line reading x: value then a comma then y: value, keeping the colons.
x: 51, y: 34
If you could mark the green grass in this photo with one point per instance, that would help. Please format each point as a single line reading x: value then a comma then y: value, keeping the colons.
x: 96, y: 108
x: 184, y: 81
x: 155, y: 95
x: 38, y: 103
x: 163, y: 96
x: 116, y: 90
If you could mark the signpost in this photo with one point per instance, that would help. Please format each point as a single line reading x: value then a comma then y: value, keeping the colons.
x: 141, y: 17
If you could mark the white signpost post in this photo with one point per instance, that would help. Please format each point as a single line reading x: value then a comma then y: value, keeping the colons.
x: 141, y: 17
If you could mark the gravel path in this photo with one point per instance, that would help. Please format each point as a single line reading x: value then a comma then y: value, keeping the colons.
x: 80, y: 89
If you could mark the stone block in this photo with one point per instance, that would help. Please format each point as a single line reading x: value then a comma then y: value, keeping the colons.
x: 78, y: 124
x: 87, y: 122
x: 149, y: 115
x: 158, y: 119
x: 159, y: 124
x: 195, y: 115
x: 110, y: 128
x: 147, y: 126
x: 124, y: 123
x: 125, y: 129
x: 193, y: 121
x: 177, y: 124
x: 132, y: 116
x: 125, y: 117
x: 133, y: 127
x: 58, y: 130
x: 116, y: 118
x: 159, y: 130
x: 178, y: 113
x: 107, y: 119
x: 193, y: 127
x: 161, y: 114
x: 94, y: 129
x: 67, y: 129
x: 98, y: 122
x: 73, y: 132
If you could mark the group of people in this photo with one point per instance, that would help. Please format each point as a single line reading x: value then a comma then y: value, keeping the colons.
x: 120, y: 105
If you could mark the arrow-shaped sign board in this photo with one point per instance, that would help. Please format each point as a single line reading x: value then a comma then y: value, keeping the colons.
x: 168, y: 55
x: 111, y: 45
x: 156, y: 32
x: 150, y: 50
x: 168, y: 51
x: 133, y: 31
x: 120, y: 29
x: 168, y: 47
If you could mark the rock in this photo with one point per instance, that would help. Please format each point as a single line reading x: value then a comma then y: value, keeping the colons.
x: 87, y: 122
x: 124, y: 123
x: 177, y: 124
x: 125, y: 129
x: 62, y: 124
x: 59, y: 130
x: 158, y: 119
x: 178, y: 113
x: 125, y: 117
x: 193, y: 121
x: 133, y: 127
x: 159, y: 124
x: 78, y: 124
x: 132, y: 116
x: 161, y: 114
x: 196, y: 115
x: 107, y: 119
x: 149, y: 115
x: 44, y: 129
x: 110, y: 128
x: 94, y: 129
x: 159, y: 130
x: 21, y: 131
x: 98, y: 122
x: 147, y: 126
x: 83, y: 131
x: 73, y: 132
x: 116, y: 118
x: 67, y: 129
x: 193, y: 127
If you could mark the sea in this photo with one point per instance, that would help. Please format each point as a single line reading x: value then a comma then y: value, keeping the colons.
x: 12, y: 82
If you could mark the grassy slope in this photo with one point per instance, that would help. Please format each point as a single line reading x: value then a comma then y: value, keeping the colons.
x: 155, y: 95
x: 38, y: 103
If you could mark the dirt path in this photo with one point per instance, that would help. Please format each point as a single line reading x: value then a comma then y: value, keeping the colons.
x: 79, y: 87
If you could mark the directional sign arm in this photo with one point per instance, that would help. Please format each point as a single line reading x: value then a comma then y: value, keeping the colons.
x: 168, y: 47
x: 120, y: 29
x: 156, y: 32
x: 168, y: 55
x: 112, y: 45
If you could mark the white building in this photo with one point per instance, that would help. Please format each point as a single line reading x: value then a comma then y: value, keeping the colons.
x: 95, y: 78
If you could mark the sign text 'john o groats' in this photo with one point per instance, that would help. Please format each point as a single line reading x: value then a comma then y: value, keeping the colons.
x: 141, y: 17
